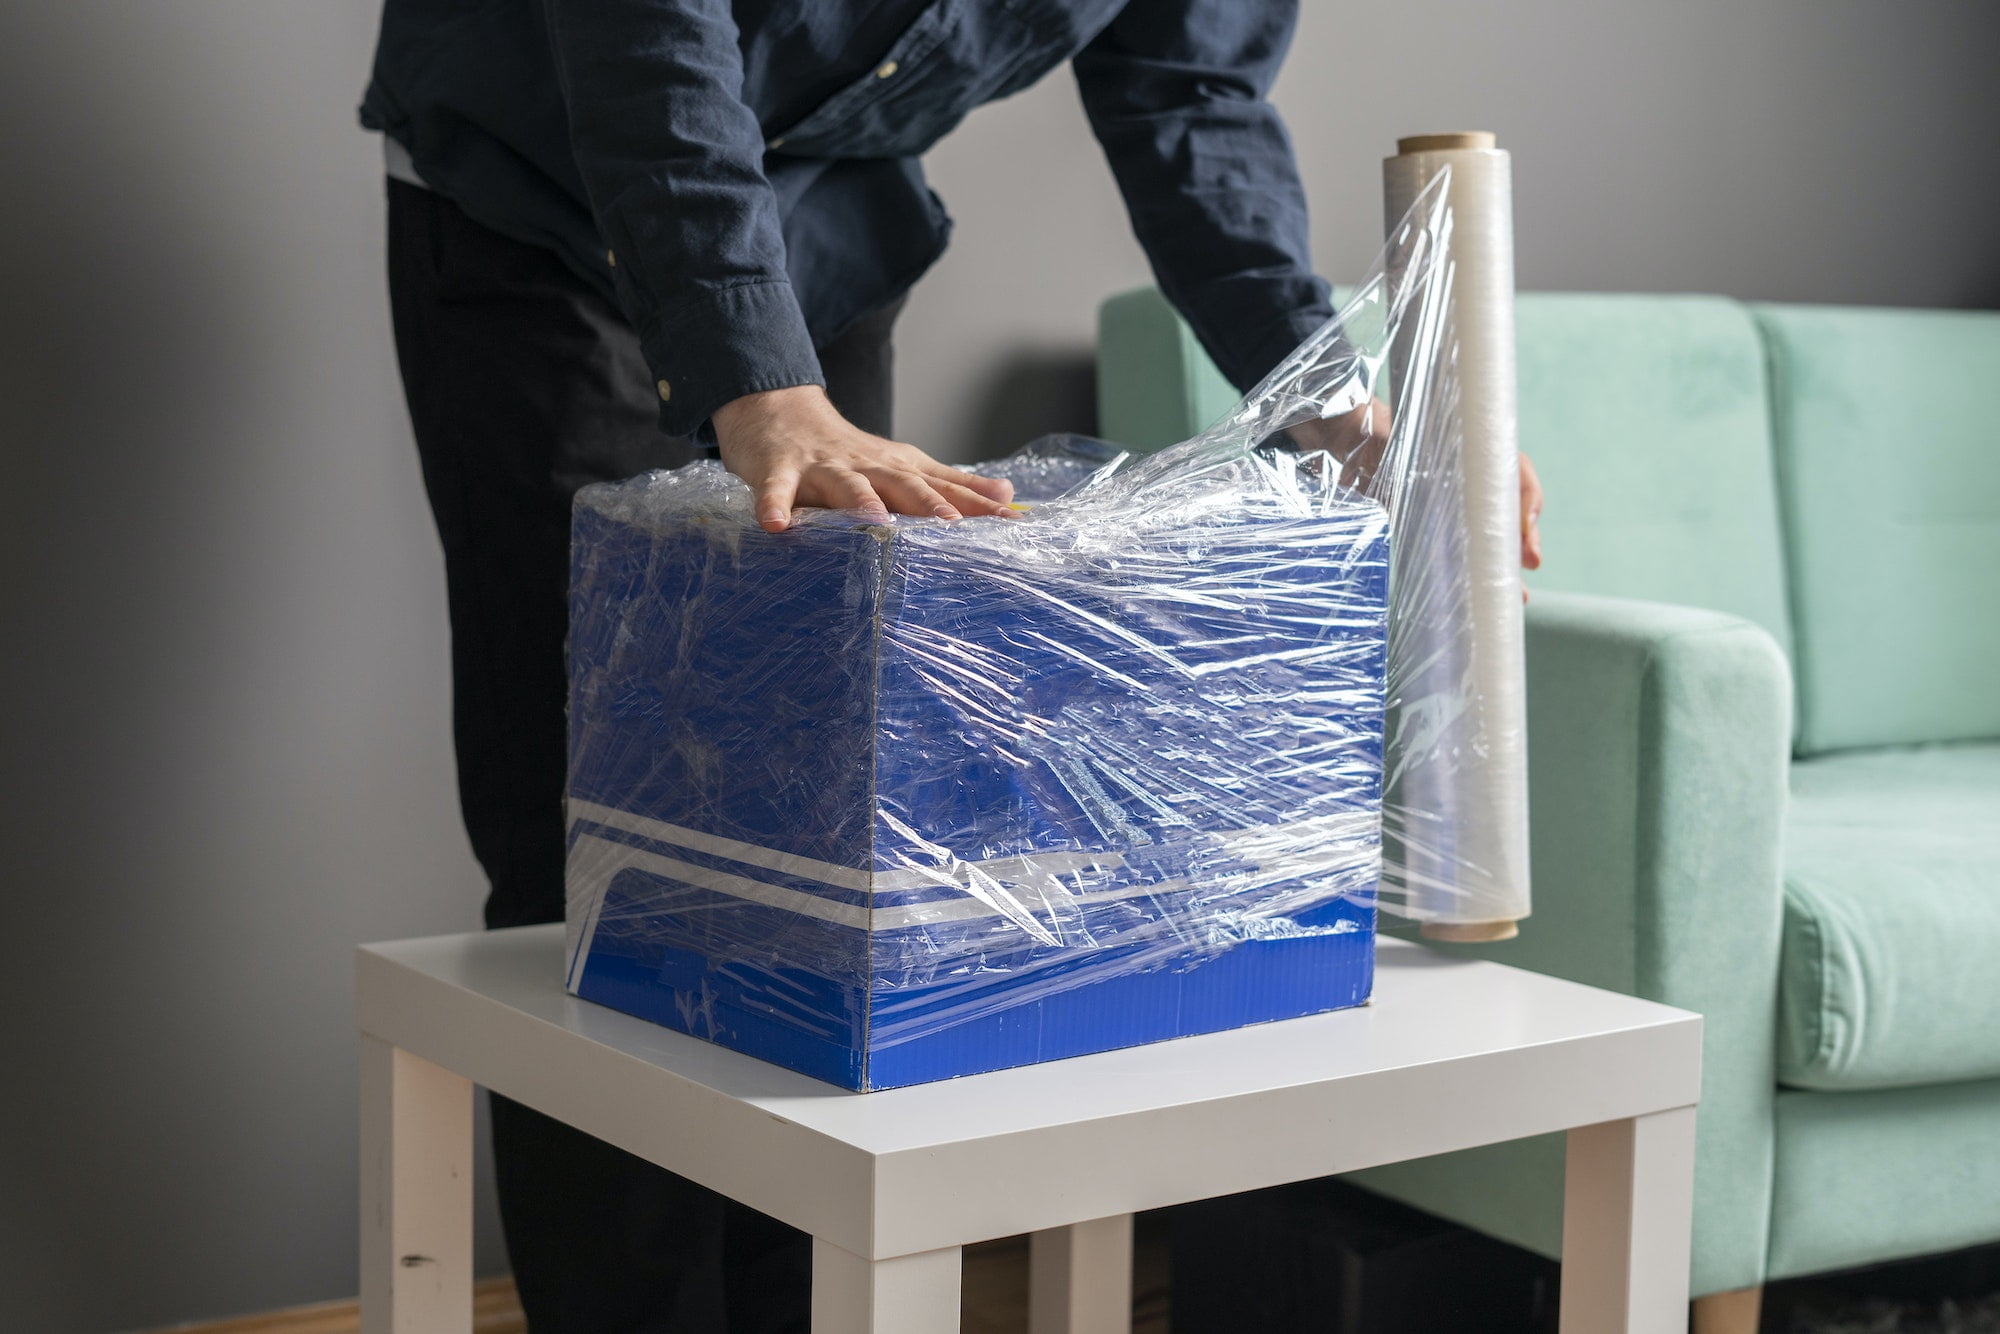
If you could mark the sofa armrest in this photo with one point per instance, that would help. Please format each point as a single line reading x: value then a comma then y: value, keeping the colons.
x: 1658, y: 749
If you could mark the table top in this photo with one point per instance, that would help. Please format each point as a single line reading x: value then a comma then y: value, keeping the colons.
x: 1449, y: 1053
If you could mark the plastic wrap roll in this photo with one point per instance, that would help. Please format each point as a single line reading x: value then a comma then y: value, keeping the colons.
x: 1457, y: 808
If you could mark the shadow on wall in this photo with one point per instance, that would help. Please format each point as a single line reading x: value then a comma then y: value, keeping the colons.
x: 1029, y: 393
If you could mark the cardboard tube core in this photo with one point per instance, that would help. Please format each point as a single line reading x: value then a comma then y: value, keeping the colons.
x: 1442, y: 143
x: 1470, y: 933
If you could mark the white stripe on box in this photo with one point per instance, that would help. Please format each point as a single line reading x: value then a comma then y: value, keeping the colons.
x: 956, y: 875
x: 595, y: 861
x: 999, y: 887
x: 786, y: 863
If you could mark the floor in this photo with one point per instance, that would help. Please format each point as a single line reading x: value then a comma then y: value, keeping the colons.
x: 1955, y: 1293
x: 494, y: 1311
x: 1848, y: 1315
x: 996, y: 1297
x: 996, y: 1301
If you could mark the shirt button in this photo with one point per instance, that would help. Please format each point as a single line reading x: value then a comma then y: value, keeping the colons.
x: 666, y: 391
x: 886, y: 68
x: 611, y: 258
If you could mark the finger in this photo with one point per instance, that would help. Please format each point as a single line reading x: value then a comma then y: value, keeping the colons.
x: 1531, y: 515
x: 969, y: 501
x: 909, y: 493
x: 774, y: 496
x: 997, y: 489
x: 1531, y: 493
x: 844, y: 489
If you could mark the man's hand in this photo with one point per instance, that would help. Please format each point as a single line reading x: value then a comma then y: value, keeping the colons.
x: 1358, y: 439
x: 1355, y: 439
x: 795, y: 449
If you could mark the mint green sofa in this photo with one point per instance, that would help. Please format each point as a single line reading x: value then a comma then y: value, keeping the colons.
x: 1764, y: 697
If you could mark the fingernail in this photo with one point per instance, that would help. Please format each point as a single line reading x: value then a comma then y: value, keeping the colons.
x: 945, y: 512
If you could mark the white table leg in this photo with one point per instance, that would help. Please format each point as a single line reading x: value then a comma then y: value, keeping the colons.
x: 911, y: 1294
x: 416, y: 1195
x: 1628, y: 1207
x: 1080, y: 1278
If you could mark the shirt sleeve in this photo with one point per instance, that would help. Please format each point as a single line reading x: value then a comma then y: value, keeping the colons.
x: 672, y: 162
x: 1175, y: 91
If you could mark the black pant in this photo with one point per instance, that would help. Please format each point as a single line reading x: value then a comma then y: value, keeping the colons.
x: 524, y: 384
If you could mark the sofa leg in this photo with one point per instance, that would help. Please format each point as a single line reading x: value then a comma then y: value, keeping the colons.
x: 1728, y: 1312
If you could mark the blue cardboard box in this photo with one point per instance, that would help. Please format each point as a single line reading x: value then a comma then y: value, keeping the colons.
x: 889, y: 804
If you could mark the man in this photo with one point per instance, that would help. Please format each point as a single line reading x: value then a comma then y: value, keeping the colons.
x: 622, y: 229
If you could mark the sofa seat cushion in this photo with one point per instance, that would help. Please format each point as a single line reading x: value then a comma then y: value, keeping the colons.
x: 1891, y: 973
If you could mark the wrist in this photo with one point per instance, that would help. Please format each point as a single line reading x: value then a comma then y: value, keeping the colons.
x: 768, y: 408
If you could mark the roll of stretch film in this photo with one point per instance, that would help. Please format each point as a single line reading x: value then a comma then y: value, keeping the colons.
x: 1457, y: 817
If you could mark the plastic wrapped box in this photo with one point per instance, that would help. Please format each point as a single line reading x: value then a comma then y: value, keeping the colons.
x: 888, y: 804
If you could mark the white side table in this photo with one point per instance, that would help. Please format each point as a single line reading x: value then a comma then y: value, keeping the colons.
x: 1449, y: 1054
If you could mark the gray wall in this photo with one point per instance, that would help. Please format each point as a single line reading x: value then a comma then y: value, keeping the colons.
x: 226, y: 745
x: 226, y: 748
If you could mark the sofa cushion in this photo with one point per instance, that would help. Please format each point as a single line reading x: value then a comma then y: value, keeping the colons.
x: 1887, y: 425
x: 1648, y: 420
x: 1891, y: 971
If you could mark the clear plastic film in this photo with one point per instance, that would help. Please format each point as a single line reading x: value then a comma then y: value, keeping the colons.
x: 865, y: 784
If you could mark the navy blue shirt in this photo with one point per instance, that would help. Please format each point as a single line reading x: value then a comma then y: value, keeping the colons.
x: 746, y: 178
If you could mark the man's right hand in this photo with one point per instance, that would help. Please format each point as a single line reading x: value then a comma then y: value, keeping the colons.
x: 795, y: 449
